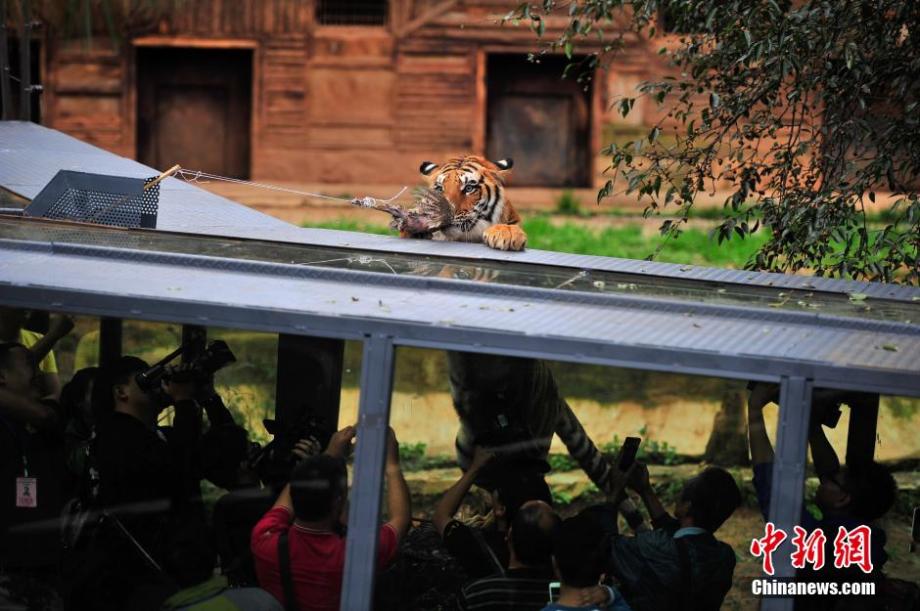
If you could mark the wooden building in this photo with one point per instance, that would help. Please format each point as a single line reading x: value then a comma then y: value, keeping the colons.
x: 335, y: 91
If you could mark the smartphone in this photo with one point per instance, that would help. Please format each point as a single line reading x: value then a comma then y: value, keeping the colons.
x: 628, y: 452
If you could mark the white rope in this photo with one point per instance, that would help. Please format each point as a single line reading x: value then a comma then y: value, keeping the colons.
x: 194, y: 176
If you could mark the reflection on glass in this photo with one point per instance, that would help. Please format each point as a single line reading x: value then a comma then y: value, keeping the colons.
x: 79, y: 348
x: 150, y: 341
x: 444, y: 405
x: 248, y: 385
x: 686, y: 424
x: 480, y: 271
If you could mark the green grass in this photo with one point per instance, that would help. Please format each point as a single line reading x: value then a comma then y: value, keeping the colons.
x: 344, y: 225
x: 694, y: 246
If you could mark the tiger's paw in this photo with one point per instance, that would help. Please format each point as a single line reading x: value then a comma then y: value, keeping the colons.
x: 505, y: 237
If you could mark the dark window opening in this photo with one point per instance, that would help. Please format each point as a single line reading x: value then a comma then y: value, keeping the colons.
x: 194, y: 109
x: 352, y: 12
x: 539, y: 119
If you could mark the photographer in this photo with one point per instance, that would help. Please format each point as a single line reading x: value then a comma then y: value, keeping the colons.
x: 146, y: 472
x: 484, y: 552
x: 148, y: 483
x: 307, y: 519
x: 679, y: 563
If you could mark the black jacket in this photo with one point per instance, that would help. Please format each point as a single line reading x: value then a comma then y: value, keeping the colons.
x: 149, y: 476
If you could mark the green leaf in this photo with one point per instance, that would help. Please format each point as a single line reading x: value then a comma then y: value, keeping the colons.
x: 858, y: 297
x: 890, y: 347
x: 568, y: 49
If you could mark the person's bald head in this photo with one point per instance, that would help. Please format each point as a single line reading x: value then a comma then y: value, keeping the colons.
x: 531, y: 534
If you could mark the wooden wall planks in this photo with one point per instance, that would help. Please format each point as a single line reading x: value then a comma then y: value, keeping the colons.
x: 326, y: 100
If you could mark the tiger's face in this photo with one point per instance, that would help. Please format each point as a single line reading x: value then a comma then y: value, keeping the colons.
x: 471, y: 184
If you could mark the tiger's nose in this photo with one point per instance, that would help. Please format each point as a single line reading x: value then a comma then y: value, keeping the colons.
x: 453, y: 193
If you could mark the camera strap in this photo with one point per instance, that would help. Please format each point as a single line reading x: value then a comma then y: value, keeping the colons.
x: 284, y: 565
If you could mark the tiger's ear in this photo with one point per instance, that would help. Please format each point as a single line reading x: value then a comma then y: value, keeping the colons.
x: 427, y: 168
x: 505, y: 164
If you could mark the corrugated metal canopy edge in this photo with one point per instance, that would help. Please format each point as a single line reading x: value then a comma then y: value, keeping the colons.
x: 705, y: 339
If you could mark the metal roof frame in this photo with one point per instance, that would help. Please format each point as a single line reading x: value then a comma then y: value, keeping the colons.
x: 799, y: 350
x: 697, y: 350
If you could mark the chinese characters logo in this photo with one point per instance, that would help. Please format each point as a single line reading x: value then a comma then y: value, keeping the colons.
x: 851, y: 547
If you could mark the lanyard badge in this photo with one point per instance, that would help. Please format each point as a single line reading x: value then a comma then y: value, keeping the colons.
x: 26, y: 488
x: 26, y: 492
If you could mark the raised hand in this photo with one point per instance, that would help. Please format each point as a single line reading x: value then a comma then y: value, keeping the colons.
x: 340, y: 442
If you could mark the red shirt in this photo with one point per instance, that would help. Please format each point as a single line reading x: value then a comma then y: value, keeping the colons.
x: 317, y: 559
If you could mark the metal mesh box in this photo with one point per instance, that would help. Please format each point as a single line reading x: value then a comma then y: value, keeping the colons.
x: 98, y: 198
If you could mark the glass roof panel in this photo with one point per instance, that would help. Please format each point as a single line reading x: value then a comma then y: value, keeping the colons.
x: 494, y: 272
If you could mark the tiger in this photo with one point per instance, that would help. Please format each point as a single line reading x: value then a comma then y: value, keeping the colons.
x: 515, y: 403
x: 511, y: 401
x: 475, y: 189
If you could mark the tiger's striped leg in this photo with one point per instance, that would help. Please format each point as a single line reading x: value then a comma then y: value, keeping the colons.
x: 593, y: 462
x: 582, y: 448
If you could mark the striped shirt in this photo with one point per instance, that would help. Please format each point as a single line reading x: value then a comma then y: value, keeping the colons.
x: 518, y: 589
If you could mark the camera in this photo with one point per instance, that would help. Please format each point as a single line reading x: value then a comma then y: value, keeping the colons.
x: 207, y: 361
x: 275, y: 461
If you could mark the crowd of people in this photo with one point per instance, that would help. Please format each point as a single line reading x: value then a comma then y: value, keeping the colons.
x: 102, y: 507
